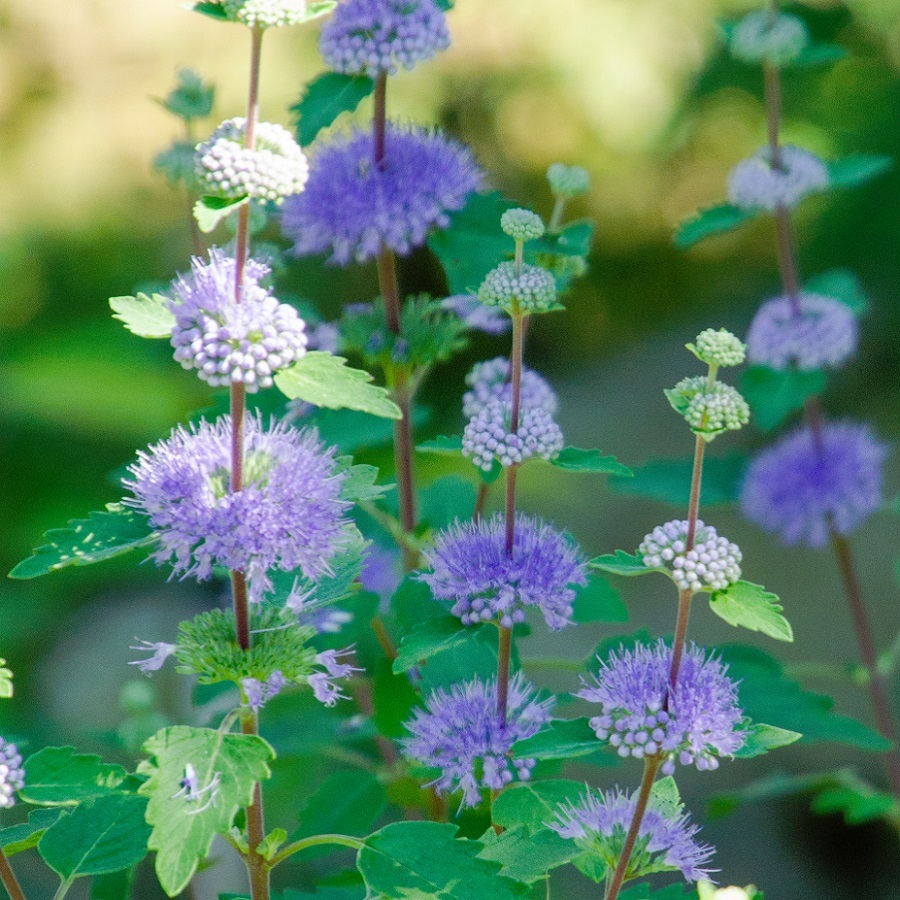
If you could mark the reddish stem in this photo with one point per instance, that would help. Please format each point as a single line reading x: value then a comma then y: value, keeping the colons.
x: 8, y: 879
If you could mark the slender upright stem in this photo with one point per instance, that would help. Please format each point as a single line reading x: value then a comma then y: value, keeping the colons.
x: 504, y: 652
x: 8, y: 879
x: 481, y: 500
x: 559, y: 207
x: 651, y: 766
x: 257, y: 865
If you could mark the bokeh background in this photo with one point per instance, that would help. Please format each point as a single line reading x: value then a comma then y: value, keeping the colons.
x: 637, y: 91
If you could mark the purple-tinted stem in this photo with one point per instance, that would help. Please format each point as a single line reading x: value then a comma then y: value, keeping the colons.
x: 651, y: 766
x: 8, y: 879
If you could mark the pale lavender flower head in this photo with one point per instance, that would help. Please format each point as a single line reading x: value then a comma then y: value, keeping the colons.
x: 12, y: 775
x: 260, y: 692
x: 230, y: 343
x: 695, y: 723
x: 477, y: 316
x: 461, y: 733
x: 351, y: 207
x: 161, y: 651
x: 490, y: 380
x: 323, y: 683
x: 471, y: 568
x: 487, y: 437
x: 382, y: 571
x: 288, y: 516
x: 823, y: 334
x: 801, y: 487
x: 368, y: 37
x: 754, y: 184
x: 666, y: 841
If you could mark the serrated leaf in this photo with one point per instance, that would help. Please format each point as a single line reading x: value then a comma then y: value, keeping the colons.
x: 6, y: 681
x: 212, y: 9
x: 360, y: 482
x: 767, y: 695
x: 559, y: 739
x: 428, y: 639
x: 669, y: 480
x: 621, y: 563
x: 209, y: 211
x: 191, y: 98
x: 857, y: 169
x: 176, y: 164
x: 747, y: 605
x: 598, y: 601
x: 58, y: 776
x: 326, y: 97
x: 103, y: 835
x: 527, y: 856
x: 148, y: 317
x: 425, y: 861
x: 773, y: 396
x: 325, y: 380
x: 574, y: 459
x: 534, y: 804
x: 708, y: 222
x: 474, y: 243
x: 101, y: 536
x: 227, y: 764
x: 763, y: 738
x: 841, y: 284
x: 21, y: 837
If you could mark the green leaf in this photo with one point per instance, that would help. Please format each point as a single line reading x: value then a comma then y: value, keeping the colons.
x: 360, y: 483
x: 768, y: 695
x: 183, y: 829
x: 113, y: 885
x: 345, y: 803
x: 533, y: 803
x: 428, y: 639
x: 647, y: 892
x: 856, y: 801
x: 326, y: 97
x: 325, y: 380
x: 818, y: 54
x: 560, y: 739
x: 101, y: 536
x: 58, y: 776
x: 621, y: 563
x: 747, y: 605
x: 209, y: 211
x: 763, y: 738
x: 144, y: 316
x: 857, y: 169
x: 598, y: 601
x: 6, y: 681
x: 442, y: 445
x: 841, y: 284
x: 446, y: 500
x: 393, y: 698
x: 104, y: 835
x: 669, y: 480
x: 176, y: 164
x: 212, y: 9
x: 773, y: 396
x: 527, y: 856
x: 573, y: 459
x: 21, y: 837
x: 191, y: 98
x: 474, y: 243
x: 424, y: 861
x: 715, y: 220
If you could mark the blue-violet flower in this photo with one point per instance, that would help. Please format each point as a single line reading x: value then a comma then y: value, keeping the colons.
x: 12, y: 775
x: 490, y: 380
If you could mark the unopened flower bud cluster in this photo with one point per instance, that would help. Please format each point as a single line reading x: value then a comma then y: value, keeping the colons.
x: 530, y: 290
x: 490, y: 380
x: 719, y: 348
x: 763, y: 36
x: 754, y: 184
x: 12, y: 775
x: 712, y: 563
x: 714, y: 408
x: 273, y: 170
x: 487, y: 438
x: 522, y: 224
x: 567, y: 181
x: 267, y: 13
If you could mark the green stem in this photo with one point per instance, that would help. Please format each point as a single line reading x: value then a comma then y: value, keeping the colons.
x: 8, y: 879
x: 556, y: 218
x: 651, y: 765
x: 63, y: 889
x: 319, y: 840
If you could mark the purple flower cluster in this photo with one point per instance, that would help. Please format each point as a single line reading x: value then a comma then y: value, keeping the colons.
x: 810, y: 483
x: 351, y: 208
x: 12, y: 775
x: 489, y: 319
x: 260, y: 692
x: 755, y: 184
x: 487, y: 437
x: 642, y: 715
x: 666, y: 838
x: 368, y: 37
x: 490, y: 380
x: 471, y: 568
x: 228, y: 342
x: 822, y: 334
x: 288, y: 516
x: 322, y: 683
x: 461, y: 733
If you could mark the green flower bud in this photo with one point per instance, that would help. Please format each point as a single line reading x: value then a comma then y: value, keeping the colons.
x: 718, y: 348
x: 522, y: 224
x: 709, y: 409
x: 533, y: 289
x: 763, y: 37
x: 568, y: 181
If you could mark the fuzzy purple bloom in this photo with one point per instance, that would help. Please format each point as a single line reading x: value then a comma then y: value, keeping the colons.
x: 12, y: 775
x: 382, y: 571
x: 368, y: 37
x: 641, y: 716
x: 802, y: 487
x: 288, y: 516
x: 600, y: 823
x: 822, y: 335
x: 754, y: 184
x: 351, y: 208
x: 477, y: 316
x: 490, y: 380
x: 230, y: 343
x: 323, y: 683
x: 260, y: 692
x: 471, y: 567
x: 460, y: 732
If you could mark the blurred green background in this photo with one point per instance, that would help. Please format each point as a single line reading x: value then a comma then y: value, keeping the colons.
x: 637, y: 91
